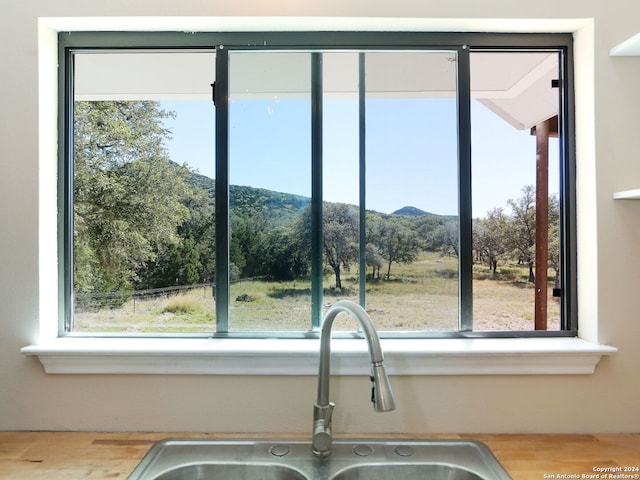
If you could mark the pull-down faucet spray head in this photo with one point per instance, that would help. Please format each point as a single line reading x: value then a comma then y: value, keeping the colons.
x: 381, y: 392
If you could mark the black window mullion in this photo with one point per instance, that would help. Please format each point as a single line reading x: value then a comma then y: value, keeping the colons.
x: 222, y: 190
x: 316, y: 190
x: 568, y: 254
x: 65, y: 276
x: 465, y: 256
x: 362, y: 145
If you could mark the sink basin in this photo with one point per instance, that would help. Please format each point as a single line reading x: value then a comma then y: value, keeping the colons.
x: 231, y: 471
x: 279, y: 459
x: 383, y: 472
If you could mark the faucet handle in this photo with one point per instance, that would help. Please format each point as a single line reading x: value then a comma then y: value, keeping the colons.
x: 323, y: 412
x: 321, y: 439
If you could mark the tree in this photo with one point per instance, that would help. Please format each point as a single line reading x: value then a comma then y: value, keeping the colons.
x: 249, y: 242
x: 200, y: 228
x: 190, y: 258
x: 451, y: 239
x: 490, y: 237
x: 372, y: 255
x: 128, y: 196
x: 431, y: 229
x: 554, y: 238
x: 445, y: 237
x: 396, y: 240
x: 288, y: 251
x: 522, y: 234
x: 173, y: 264
x: 340, y: 238
x: 373, y: 259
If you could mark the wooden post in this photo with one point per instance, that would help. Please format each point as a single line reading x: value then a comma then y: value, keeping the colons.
x: 542, y: 224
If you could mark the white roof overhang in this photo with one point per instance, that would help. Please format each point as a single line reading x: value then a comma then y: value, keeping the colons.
x: 515, y: 86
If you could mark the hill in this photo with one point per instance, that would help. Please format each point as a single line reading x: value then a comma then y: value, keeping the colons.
x: 414, y: 212
x: 245, y: 200
x: 411, y: 212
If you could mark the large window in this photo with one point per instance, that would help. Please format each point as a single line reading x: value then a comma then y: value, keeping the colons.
x: 217, y: 188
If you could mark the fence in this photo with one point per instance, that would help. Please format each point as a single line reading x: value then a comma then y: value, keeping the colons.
x: 91, y: 302
x: 88, y: 302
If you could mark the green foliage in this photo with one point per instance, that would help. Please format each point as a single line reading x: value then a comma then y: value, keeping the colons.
x: 277, y: 207
x: 249, y: 243
x: 395, y: 239
x: 288, y: 254
x: 340, y: 239
x: 522, y: 232
x: 173, y: 264
x: 510, y: 237
x: 128, y: 196
x: 198, y: 235
x: 490, y: 238
x: 554, y: 238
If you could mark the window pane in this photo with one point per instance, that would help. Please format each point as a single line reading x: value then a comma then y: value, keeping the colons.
x: 270, y: 190
x: 143, y: 230
x: 513, y: 98
x: 341, y: 181
x: 412, y: 190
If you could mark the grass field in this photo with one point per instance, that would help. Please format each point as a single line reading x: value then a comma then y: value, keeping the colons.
x: 419, y: 296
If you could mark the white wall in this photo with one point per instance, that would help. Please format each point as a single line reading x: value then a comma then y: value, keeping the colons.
x: 608, y: 125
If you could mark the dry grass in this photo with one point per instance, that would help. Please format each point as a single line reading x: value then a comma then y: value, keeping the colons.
x: 501, y: 305
x: 419, y: 296
x: 184, y: 313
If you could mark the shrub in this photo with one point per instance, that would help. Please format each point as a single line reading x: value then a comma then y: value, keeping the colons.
x: 244, y: 297
x: 182, y: 304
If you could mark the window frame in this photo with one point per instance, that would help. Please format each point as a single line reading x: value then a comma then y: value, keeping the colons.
x: 463, y: 43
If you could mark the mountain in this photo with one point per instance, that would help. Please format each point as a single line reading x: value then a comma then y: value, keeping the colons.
x: 411, y: 212
x: 415, y: 214
x: 283, y: 206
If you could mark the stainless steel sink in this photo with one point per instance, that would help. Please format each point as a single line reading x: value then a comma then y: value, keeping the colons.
x: 232, y: 471
x: 293, y: 460
x: 381, y: 472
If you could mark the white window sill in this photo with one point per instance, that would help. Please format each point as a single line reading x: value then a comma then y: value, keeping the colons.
x: 503, y: 356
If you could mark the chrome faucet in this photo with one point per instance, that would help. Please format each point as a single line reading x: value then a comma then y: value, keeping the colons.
x: 381, y: 394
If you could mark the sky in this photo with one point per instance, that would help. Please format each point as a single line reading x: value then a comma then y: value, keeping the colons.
x: 411, y: 151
